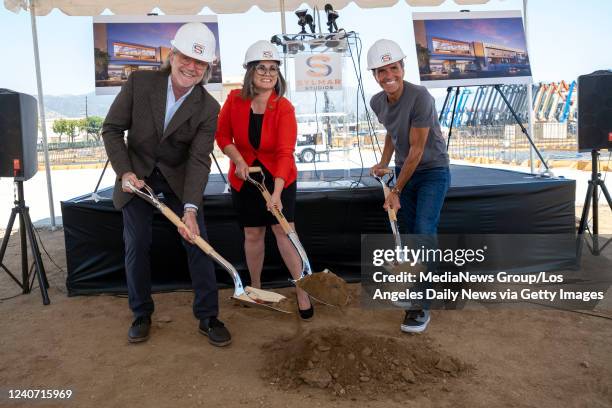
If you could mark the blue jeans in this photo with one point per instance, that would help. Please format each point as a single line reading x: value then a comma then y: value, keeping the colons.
x: 421, y: 200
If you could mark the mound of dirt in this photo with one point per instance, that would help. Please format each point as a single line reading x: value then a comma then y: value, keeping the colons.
x: 352, y: 363
x: 327, y: 287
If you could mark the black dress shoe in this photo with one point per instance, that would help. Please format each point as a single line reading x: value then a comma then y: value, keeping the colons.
x: 139, y: 331
x: 306, y: 314
x: 216, y: 332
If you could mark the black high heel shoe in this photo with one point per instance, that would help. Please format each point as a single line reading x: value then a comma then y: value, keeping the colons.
x: 306, y: 314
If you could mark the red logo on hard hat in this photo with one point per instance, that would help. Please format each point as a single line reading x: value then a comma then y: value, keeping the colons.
x: 267, y: 54
x: 197, y: 48
x: 386, y: 57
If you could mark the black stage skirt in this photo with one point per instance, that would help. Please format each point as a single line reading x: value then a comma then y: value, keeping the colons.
x: 251, y: 206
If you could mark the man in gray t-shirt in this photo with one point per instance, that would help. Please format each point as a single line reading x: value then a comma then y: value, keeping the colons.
x: 414, y: 109
x: 413, y: 132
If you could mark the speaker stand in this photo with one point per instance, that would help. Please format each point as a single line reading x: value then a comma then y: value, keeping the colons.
x: 26, y: 232
x: 592, y: 198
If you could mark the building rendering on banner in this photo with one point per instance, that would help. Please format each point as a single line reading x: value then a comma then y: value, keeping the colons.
x: 124, y: 44
x: 454, y: 56
x: 470, y: 47
x: 124, y: 57
x: 450, y: 56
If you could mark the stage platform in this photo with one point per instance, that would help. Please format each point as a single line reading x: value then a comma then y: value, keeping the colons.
x: 334, y: 207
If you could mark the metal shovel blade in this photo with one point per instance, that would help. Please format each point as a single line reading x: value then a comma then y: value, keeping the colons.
x: 266, y: 299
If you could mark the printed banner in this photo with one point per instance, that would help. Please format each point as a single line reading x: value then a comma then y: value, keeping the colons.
x: 474, y: 48
x: 318, y: 72
x: 123, y: 44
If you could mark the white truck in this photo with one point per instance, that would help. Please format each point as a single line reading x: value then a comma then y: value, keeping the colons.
x: 310, y: 142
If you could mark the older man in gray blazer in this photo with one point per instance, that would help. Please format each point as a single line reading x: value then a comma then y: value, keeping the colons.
x: 170, y: 121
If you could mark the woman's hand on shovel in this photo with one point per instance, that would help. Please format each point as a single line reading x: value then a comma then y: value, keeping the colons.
x: 242, y: 170
x: 190, y: 221
x: 275, y: 201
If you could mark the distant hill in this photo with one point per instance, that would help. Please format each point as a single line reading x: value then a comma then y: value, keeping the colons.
x: 73, y: 106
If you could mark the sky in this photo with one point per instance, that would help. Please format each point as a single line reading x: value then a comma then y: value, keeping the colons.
x: 499, y: 31
x: 162, y: 33
x: 566, y: 38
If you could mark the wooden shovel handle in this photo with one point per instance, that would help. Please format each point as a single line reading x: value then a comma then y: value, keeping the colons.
x: 278, y: 214
x: 391, y: 211
x: 203, y: 245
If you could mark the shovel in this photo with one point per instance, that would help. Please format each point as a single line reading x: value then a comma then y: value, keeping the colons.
x: 324, y: 287
x: 398, y: 265
x: 248, y: 295
x: 386, y: 181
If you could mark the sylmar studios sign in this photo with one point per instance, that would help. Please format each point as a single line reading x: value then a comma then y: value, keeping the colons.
x: 318, y: 72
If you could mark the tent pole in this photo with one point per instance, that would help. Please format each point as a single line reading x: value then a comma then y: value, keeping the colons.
x: 41, y: 111
x: 282, y: 11
x: 284, y: 31
x: 529, y: 93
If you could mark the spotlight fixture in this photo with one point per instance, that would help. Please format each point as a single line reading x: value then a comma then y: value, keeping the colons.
x: 305, y: 19
x: 332, y: 16
x: 276, y: 40
x: 301, y: 15
x: 331, y: 41
x: 294, y: 47
x: 311, y: 23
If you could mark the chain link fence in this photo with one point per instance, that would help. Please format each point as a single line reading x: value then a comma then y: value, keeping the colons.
x: 73, y: 153
x: 507, y: 143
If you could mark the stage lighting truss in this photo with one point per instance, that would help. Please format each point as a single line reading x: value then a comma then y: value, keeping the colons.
x: 339, y: 42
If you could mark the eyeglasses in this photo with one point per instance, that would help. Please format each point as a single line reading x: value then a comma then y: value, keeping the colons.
x: 185, y: 60
x: 262, y: 70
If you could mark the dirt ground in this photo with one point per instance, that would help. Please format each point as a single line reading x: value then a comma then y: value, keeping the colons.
x: 476, y: 357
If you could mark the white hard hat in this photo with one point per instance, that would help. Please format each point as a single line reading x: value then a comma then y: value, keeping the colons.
x: 261, y: 50
x: 384, y: 52
x: 195, y: 40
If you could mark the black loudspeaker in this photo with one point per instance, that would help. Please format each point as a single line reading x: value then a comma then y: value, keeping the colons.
x: 18, y: 134
x: 595, y: 111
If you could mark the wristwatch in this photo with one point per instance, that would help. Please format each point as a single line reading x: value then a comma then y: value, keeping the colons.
x: 396, y: 190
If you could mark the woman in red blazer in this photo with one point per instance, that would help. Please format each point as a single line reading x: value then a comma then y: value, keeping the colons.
x: 257, y: 127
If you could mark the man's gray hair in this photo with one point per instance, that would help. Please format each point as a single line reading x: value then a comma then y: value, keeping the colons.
x: 167, y: 69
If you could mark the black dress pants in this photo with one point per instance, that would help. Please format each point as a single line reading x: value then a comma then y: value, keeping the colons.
x: 137, y: 232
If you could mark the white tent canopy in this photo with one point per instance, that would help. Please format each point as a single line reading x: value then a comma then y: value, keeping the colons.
x: 95, y: 7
